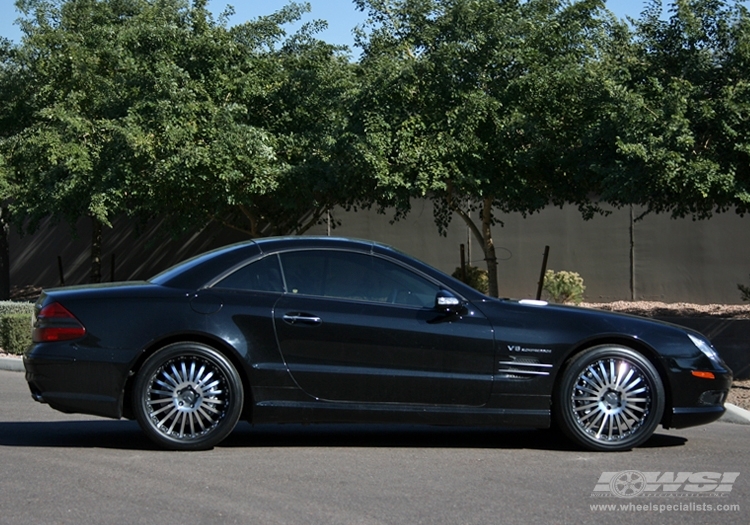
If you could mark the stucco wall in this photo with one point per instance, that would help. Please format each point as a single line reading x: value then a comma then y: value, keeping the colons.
x: 675, y: 260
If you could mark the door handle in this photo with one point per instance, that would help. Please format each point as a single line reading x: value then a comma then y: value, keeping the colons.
x: 302, y: 319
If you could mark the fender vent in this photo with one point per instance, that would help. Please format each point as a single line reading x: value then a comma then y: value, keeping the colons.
x: 527, y: 369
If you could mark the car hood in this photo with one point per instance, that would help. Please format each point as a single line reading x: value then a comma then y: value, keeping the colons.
x: 572, y: 326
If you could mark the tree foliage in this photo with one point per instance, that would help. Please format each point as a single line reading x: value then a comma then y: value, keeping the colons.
x: 155, y: 109
x: 683, y: 122
x: 744, y: 291
x: 481, y: 105
x: 247, y: 139
x: 509, y: 106
x: 11, y: 122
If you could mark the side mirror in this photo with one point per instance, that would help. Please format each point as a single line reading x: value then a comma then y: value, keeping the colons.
x: 448, y: 303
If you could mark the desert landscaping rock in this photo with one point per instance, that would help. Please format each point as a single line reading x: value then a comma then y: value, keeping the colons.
x: 739, y: 395
x: 659, y: 309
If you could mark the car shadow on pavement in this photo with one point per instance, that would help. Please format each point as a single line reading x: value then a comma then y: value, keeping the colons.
x: 127, y: 435
x: 97, y: 433
x: 411, y: 436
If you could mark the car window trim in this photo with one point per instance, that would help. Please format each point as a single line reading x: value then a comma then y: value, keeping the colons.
x: 239, y: 266
x: 370, y: 252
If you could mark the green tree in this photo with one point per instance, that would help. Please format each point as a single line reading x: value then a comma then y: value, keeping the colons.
x: 482, y: 106
x: 69, y: 156
x: 267, y: 111
x: 13, y: 116
x: 683, y: 122
x: 155, y: 109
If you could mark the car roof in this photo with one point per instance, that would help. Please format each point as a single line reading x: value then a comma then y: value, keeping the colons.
x: 195, y: 272
x: 273, y: 244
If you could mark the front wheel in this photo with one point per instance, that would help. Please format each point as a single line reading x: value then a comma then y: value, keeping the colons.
x: 187, y: 396
x: 610, y: 398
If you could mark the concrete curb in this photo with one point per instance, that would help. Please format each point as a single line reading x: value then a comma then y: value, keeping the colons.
x: 12, y: 364
x: 735, y: 414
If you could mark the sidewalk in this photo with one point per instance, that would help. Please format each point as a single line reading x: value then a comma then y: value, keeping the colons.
x: 14, y: 364
x: 735, y: 414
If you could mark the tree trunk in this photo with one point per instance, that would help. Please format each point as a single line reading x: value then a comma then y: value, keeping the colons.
x: 4, y: 255
x: 484, y: 236
x: 489, y: 248
x: 96, y: 251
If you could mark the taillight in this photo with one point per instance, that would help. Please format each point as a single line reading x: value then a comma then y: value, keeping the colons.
x: 55, y: 323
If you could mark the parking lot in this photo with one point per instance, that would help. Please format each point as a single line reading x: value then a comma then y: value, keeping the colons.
x: 57, y: 468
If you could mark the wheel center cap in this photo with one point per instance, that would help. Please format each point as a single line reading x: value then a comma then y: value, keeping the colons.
x: 612, y: 399
x: 187, y: 397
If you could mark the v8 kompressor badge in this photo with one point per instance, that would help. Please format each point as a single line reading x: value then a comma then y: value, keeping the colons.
x: 522, y: 349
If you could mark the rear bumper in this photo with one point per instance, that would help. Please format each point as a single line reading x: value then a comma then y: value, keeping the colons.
x: 72, y: 379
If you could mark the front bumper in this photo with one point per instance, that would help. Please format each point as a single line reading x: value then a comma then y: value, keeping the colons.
x: 698, y: 401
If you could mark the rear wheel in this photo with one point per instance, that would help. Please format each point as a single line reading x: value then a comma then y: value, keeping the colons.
x: 609, y: 398
x: 187, y: 396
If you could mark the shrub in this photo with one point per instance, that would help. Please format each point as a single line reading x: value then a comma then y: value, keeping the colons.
x: 564, y: 287
x: 15, y: 332
x: 16, y: 307
x: 475, y: 277
x: 744, y: 291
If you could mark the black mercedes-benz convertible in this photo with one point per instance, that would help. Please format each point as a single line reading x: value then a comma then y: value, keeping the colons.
x: 311, y: 329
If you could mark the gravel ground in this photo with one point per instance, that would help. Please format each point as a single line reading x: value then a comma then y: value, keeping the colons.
x: 657, y: 309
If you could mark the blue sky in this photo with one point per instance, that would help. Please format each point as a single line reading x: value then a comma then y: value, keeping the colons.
x: 341, y: 15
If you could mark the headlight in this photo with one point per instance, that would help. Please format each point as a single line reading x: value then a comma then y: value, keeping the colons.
x: 705, y: 347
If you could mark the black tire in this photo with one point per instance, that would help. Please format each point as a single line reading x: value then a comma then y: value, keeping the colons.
x: 610, y: 398
x: 187, y: 396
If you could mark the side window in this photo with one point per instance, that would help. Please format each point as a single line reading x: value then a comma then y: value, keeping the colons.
x: 304, y: 272
x: 403, y: 285
x: 263, y: 275
x: 355, y: 276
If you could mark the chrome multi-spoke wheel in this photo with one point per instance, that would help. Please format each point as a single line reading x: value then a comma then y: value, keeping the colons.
x: 187, y: 396
x: 609, y: 398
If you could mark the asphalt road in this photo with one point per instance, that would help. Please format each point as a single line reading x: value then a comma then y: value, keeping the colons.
x: 57, y: 468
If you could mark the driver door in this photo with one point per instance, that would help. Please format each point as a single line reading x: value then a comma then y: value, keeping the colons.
x: 358, y: 327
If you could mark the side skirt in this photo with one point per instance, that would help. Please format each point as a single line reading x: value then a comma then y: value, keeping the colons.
x: 278, y: 411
